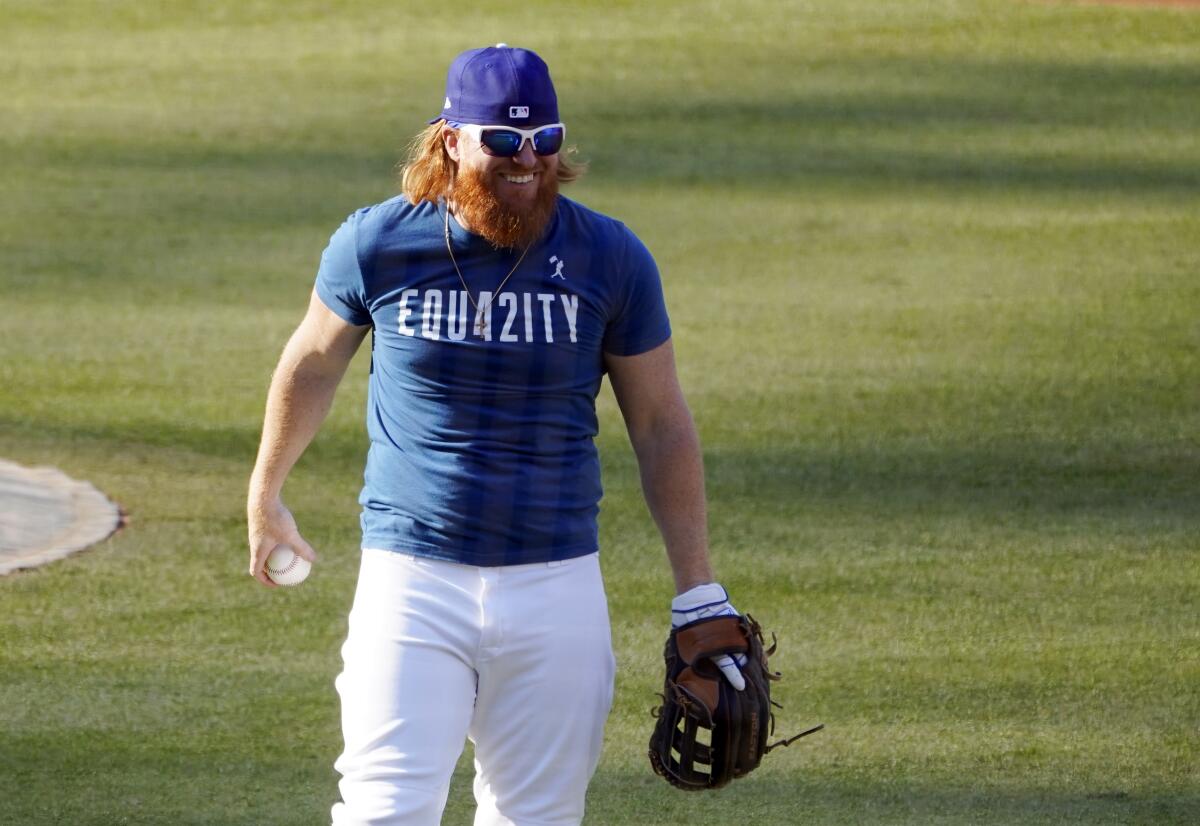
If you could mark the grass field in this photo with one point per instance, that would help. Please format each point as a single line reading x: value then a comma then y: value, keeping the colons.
x: 935, y: 282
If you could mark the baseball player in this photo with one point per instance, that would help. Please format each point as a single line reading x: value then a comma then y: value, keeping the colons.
x: 495, y: 307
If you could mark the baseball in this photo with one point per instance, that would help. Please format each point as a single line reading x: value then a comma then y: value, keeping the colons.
x: 286, y: 567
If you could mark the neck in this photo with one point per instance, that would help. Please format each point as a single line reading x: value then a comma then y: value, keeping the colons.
x: 457, y: 216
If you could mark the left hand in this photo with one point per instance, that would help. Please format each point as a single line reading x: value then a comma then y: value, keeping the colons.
x: 702, y: 602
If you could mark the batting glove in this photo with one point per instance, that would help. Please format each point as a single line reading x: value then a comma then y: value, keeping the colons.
x: 702, y: 602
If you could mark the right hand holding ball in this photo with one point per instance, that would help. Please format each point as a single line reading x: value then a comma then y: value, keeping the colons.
x: 286, y: 567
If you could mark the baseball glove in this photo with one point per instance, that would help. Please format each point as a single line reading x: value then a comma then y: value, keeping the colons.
x: 708, y: 733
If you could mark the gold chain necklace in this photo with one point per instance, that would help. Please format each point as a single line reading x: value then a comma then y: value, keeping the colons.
x: 480, y: 318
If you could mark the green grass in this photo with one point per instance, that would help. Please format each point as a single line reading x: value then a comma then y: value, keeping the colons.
x: 933, y: 275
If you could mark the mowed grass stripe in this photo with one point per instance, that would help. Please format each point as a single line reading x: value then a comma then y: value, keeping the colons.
x: 933, y: 287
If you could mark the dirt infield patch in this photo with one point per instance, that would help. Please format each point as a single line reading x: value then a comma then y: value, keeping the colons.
x: 46, y: 515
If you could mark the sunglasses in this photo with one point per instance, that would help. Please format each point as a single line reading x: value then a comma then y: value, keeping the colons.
x: 506, y: 141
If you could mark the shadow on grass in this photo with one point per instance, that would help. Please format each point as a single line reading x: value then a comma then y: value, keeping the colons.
x: 620, y: 799
x: 1021, y: 477
x: 954, y: 124
x: 894, y: 122
x: 898, y: 126
x: 101, y: 778
x: 334, y: 447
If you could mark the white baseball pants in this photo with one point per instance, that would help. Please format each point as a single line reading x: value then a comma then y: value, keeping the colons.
x: 517, y: 658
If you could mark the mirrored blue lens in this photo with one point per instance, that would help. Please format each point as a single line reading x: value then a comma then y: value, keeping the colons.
x: 502, y: 142
x: 548, y: 141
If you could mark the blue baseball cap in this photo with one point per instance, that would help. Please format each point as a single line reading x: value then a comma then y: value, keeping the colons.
x: 499, y: 85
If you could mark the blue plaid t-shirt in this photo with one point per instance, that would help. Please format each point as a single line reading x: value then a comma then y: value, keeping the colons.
x: 481, y: 406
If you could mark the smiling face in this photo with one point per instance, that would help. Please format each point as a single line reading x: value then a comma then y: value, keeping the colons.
x: 509, y: 201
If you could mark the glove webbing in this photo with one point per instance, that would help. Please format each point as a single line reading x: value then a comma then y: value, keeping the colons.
x: 697, y: 697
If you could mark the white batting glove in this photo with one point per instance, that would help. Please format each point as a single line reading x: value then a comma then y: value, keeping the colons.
x: 702, y: 602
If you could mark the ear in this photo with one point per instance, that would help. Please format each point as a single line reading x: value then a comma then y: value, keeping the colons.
x: 450, y: 141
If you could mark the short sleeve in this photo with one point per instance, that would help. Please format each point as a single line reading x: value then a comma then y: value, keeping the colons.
x: 339, y: 279
x: 639, y: 322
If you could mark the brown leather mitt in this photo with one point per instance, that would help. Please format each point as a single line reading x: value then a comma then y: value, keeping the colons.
x: 708, y: 733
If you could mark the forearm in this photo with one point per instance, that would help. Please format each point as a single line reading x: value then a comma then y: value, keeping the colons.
x: 301, y: 393
x: 672, y: 473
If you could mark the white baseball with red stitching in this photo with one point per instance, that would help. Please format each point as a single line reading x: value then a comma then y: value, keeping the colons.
x: 286, y: 567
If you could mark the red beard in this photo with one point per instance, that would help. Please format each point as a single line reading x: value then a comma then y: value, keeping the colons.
x: 503, y: 225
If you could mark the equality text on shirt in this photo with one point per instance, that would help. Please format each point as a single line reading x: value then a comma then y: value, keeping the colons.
x: 521, y: 313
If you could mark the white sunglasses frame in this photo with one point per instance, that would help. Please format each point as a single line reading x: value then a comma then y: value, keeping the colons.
x: 475, y: 130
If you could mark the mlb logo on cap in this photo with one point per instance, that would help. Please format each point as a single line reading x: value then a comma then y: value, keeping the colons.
x: 499, y: 85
